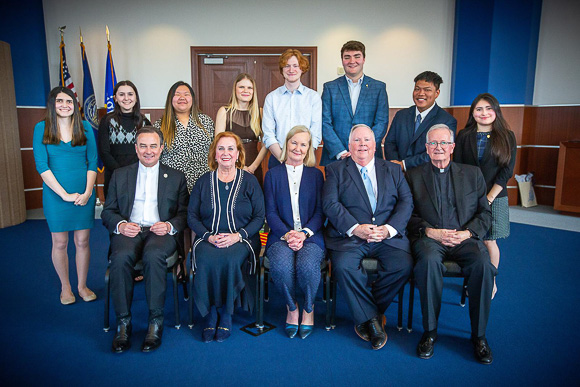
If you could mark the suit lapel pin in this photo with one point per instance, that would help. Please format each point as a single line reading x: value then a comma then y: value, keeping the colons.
x: 367, y: 85
x: 165, y: 175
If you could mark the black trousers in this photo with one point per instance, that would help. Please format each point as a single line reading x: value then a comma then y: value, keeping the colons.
x: 125, y: 252
x: 472, y: 256
x: 394, y: 268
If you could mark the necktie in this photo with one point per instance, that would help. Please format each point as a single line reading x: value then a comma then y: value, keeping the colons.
x: 417, y: 122
x: 369, y: 188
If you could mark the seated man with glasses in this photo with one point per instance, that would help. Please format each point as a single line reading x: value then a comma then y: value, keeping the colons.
x: 450, y: 218
x: 145, y: 211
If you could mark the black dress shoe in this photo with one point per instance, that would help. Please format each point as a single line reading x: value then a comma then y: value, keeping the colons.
x: 377, y: 334
x: 362, y: 330
x: 122, y: 340
x: 153, y: 338
x: 426, y: 345
x: 482, y: 351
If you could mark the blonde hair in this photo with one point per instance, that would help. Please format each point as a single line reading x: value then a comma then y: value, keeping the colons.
x: 212, y: 162
x: 255, y: 119
x: 310, y: 159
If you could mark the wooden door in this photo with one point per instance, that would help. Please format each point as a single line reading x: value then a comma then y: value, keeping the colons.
x: 214, y: 69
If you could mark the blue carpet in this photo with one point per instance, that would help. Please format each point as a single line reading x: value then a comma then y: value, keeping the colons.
x: 532, y: 329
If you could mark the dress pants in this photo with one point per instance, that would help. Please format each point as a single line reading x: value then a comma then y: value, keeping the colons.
x: 125, y: 252
x: 394, y: 268
x: 472, y: 256
x: 290, y: 268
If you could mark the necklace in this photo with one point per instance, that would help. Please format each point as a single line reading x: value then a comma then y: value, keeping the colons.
x: 227, y: 186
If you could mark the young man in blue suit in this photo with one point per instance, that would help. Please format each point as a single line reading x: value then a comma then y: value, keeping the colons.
x: 368, y: 204
x: 352, y: 99
x: 405, y: 143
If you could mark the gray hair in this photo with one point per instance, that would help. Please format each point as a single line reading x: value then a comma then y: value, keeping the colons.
x: 439, y: 126
x: 355, y: 127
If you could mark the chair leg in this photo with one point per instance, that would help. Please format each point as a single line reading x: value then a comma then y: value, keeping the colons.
x: 176, y: 297
x: 333, y: 295
x: 265, y: 286
x: 463, y: 292
x: 184, y: 282
x: 327, y: 299
x: 190, y: 303
x: 260, y: 319
x: 106, y: 326
x: 411, y: 301
x: 400, y: 308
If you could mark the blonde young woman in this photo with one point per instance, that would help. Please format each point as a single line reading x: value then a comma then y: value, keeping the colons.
x: 242, y: 116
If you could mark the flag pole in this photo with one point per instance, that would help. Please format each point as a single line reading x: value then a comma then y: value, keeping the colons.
x: 61, y: 29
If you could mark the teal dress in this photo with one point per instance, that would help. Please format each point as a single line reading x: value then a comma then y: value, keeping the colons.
x: 69, y: 165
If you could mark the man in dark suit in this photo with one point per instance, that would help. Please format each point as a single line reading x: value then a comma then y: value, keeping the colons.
x: 352, y: 99
x: 450, y: 219
x: 145, y: 211
x: 405, y: 142
x: 368, y: 204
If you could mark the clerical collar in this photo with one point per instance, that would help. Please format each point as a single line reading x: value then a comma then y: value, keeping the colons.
x: 441, y: 170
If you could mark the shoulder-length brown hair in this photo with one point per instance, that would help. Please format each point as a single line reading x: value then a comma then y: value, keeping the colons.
x: 211, y: 160
x: 310, y: 158
x: 501, y: 143
x: 168, y: 120
x: 51, y: 129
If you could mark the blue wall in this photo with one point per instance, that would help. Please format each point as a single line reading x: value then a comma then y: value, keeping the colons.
x: 22, y: 27
x: 495, y: 50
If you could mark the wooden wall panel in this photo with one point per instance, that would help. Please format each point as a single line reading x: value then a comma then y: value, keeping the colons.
x: 12, y: 202
x: 532, y: 125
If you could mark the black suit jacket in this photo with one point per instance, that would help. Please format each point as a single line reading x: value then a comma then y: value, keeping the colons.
x: 172, y: 197
x: 466, y: 153
x: 470, y: 194
x: 345, y: 203
x: 403, y: 143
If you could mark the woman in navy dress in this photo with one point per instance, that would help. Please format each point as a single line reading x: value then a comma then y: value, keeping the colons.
x: 226, y: 212
x: 488, y: 143
x: 66, y: 158
x: 295, y: 244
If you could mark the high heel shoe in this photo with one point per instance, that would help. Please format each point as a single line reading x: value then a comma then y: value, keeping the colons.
x: 305, y: 330
x: 291, y: 330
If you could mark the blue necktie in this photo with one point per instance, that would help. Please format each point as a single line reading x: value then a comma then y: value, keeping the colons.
x: 417, y: 122
x: 369, y: 187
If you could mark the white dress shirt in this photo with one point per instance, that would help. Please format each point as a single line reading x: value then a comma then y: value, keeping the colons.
x: 294, y: 179
x: 284, y: 109
x: 354, y: 91
x: 371, y: 173
x: 145, y: 210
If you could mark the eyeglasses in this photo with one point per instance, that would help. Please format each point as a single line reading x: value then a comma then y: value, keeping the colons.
x: 444, y: 144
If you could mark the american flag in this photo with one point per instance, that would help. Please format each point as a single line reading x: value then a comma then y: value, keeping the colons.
x: 65, y: 78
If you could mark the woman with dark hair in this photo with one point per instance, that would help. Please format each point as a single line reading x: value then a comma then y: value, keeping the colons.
x: 242, y: 116
x: 295, y: 246
x: 187, y: 131
x: 118, y: 129
x: 226, y: 212
x: 487, y: 142
x: 65, y: 153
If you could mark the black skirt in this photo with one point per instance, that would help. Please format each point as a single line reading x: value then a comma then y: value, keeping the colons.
x: 221, y: 278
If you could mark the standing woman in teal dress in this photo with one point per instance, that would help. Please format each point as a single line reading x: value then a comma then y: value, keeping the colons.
x: 66, y: 158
